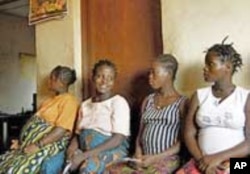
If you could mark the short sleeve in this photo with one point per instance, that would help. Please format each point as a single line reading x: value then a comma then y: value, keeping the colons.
x: 121, y: 116
x: 67, y: 113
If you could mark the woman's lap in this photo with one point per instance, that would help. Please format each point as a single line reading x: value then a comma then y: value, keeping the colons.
x: 191, y: 168
x: 19, y: 162
x: 165, y: 166
x: 54, y: 164
x: 90, y: 139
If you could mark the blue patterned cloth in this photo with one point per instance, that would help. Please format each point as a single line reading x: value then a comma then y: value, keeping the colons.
x: 89, y: 139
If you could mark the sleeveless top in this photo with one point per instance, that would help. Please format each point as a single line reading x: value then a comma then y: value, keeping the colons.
x: 161, y: 126
x: 221, y: 124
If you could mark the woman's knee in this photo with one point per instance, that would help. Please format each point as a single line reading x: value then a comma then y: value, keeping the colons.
x: 92, y: 166
x: 54, y: 164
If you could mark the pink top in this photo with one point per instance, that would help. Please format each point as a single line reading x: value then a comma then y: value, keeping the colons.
x: 107, y: 117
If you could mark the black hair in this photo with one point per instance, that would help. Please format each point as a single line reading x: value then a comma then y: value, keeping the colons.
x: 101, y: 63
x: 65, y: 74
x: 170, y: 63
x: 226, y: 52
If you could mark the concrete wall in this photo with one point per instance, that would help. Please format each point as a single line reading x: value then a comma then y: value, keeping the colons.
x: 17, y: 73
x: 192, y: 26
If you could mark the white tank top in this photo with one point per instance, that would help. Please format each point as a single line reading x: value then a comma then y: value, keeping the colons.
x: 221, y: 124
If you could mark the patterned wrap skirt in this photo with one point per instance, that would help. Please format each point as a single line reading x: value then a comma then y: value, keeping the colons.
x: 90, y: 139
x: 18, y: 162
x: 165, y: 166
x: 191, y: 168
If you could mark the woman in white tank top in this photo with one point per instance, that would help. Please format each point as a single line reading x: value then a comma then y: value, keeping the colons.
x: 217, y: 125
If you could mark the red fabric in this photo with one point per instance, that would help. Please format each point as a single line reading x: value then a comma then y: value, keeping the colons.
x: 191, y: 168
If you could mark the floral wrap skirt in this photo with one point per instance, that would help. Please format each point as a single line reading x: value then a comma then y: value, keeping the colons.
x: 18, y: 162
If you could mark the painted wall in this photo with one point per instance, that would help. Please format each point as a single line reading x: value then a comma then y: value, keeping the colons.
x: 58, y: 42
x: 17, y: 73
x: 192, y: 26
x: 129, y: 34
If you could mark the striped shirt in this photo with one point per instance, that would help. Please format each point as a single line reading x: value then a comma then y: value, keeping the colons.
x: 161, y: 126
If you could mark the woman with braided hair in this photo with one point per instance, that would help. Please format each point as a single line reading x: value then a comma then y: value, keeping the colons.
x: 47, y: 132
x: 217, y: 125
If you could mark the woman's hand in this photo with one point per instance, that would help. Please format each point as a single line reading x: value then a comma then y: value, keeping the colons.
x: 78, y: 158
x: 32, y: 148
x: 137, y: 163
x: 209, y: 164
x: 148, y: 160
x: 70, y: 153
x: 14, y: 144
x: 73, y: 146
x: 143, y: 162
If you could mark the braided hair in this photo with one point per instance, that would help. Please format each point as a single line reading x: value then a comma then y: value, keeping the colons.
x: 64, y: 74
x: 226, y: 52
x: 102, y: 62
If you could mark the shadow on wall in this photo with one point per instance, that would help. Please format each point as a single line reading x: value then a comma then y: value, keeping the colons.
x: 87, y: 89
x: 139, y: 89
x: 44, y: 89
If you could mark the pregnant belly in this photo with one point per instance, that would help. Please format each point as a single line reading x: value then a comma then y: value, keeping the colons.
x: 213, y: 140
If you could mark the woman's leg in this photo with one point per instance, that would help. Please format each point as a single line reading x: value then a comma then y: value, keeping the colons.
x: 97, y: 164
x: 165, y: 166
x: 89, y: 139
x: 189, y: 168
x: 32, y: 163
x: 54, y: 164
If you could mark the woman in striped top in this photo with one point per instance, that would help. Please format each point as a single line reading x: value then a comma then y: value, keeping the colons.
x: 158, y: 141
